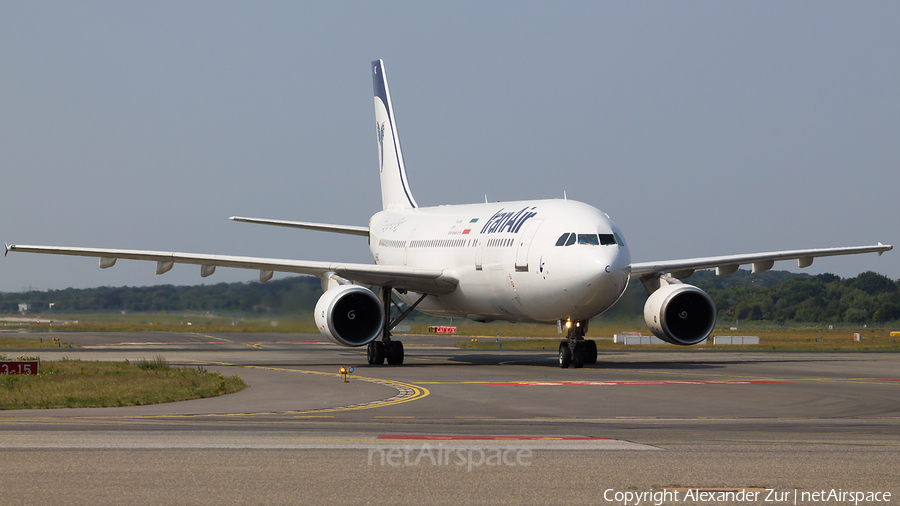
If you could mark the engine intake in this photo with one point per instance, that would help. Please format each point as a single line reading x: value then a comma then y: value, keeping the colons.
x: 350, y: 315
x: 680, y: 314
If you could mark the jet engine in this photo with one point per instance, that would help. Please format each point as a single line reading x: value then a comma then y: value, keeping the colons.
x: 680, y: 314
x: 350, y: 315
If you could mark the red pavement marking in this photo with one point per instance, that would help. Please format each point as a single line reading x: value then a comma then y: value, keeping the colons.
x: 626, y: 383
x: 157, y: 343
x: 432, y: 437
x: 161, y: 342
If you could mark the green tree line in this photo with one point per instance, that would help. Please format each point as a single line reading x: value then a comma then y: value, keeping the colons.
x: 295, y: 295
x: 781, y: 296
x: 778, y: 296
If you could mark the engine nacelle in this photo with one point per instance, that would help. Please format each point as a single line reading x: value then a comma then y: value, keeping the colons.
x: 350, y: 315
x: 680, y: 314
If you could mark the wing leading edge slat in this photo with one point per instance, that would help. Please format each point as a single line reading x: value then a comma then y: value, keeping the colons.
x: 431, y: 281
x: 762, y: 261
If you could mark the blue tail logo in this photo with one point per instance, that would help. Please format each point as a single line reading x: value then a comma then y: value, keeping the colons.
x: 395, y: 191
x: 379, y: 131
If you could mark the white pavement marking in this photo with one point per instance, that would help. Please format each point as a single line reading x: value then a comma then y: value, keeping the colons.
x: 231, y: 440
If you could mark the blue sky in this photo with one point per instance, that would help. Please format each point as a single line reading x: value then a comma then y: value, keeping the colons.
x: 701, y: 128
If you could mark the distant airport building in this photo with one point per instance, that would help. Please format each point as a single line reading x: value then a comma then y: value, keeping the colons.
x: 24, y: 307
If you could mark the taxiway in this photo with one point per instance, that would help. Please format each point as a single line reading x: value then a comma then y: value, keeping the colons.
x: 636, y: 420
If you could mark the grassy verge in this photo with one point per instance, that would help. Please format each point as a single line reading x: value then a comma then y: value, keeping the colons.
x: 23, y: 343
x: 164, y: 322
x: 82, y: 384
x: 811, y: 339
x: 772, y: 335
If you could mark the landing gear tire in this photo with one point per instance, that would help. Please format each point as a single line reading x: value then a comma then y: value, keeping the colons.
x: 578, y: 356
x: 565, y: 355
x: 590, y: 351
x: 395, y: 353
x: 375, y: 353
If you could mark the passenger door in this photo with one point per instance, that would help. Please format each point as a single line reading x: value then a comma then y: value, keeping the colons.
x: 524, y: 244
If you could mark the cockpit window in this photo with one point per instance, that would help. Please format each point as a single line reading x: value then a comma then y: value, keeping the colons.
x: 588, y: 239
x: 569, y: 239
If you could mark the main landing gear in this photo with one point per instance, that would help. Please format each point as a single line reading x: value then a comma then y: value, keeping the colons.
x: 576, y: 350
x: 377, y: 351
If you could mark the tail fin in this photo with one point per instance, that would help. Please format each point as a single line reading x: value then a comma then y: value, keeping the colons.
x: 395, y: 192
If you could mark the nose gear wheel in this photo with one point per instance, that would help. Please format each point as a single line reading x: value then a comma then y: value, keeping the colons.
x: 576, y: 350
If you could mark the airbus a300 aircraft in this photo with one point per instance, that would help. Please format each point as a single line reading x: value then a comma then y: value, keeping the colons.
x: 556, y: 262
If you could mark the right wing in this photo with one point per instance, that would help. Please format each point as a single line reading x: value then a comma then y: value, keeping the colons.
x: 321, y: 227
x: 648, y: 272
x: 430, y: 281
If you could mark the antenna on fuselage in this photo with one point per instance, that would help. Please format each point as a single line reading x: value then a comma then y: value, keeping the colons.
x: 564, y: 195
x: 485, y: 199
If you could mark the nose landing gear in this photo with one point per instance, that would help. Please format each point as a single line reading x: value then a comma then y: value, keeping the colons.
x: 576, y: 350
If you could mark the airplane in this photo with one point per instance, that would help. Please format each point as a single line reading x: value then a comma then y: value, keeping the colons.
x: 557, y: 262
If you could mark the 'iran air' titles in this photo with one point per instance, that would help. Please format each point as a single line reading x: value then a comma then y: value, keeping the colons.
x: 509, y: 222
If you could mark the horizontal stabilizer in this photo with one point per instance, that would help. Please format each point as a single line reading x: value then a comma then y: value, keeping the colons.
x: 321, y: 227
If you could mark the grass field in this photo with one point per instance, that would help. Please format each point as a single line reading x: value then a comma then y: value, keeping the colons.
x: 7, y: 342
x: 81, y: 384
x: 771, y: 334
x: 165, y: 322
x: 771, y: 337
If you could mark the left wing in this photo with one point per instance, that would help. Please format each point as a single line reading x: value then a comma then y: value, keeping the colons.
x: 729, y: 264
x: 430, y: 281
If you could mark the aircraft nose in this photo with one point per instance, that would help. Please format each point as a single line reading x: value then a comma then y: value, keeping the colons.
x: 598, y: 261
x: 604, y: 263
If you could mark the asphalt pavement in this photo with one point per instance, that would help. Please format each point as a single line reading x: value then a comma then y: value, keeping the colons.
x: 457, y: 426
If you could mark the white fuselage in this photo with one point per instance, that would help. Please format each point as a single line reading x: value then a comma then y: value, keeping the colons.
x: 507, y: 258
